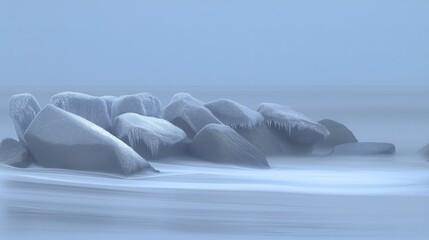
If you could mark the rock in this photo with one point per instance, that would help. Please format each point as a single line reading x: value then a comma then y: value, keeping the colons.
x: 425, y: 151
x: 299, y: 127
x: 23, y: 108
x: 109, y: 101
x: 186, y: 96
x: 221, y: 144
x: 364, y: 148
x: 59, y: 139
x: 14, y: 153
x: 93, y: 109
x: 144, y: 104
x: 150, y: 137
x: 234, y: 114
x: 338, y: 134
x: 188, y: 115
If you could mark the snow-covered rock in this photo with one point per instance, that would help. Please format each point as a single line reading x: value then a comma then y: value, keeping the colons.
x: 364, y: 148
x: 59, y: 139
x: 188, y: 115
x: 234, y: 114
x: 186, y: 96
x: 141, y: 103
x: 23, y: 108
x: 109, y: 101
x: 14, y: 153
x: 221, y: 144
x: 93, y: 109
x: 271, y: 141
x: 299, y: 127
x: 338, y: 134
x: 149, y: 136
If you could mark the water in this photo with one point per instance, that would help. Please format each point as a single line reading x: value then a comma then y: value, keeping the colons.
x: 299, y: 198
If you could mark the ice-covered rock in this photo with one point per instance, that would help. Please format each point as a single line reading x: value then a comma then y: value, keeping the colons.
x: 338, y: 134
x: 109, y: 101
x: 221, y: 144
x: 186, y: 96
x: 299, y: 127
x: 364, y: 148
x: 149, y: 136
x: 141, y: 103
x: 188, y: 115
x: 59, y: 139
x: 271, y: 141
x: 23, y: 108
x: 93, y: 109
x: 14, y: 153
x: 425, y: 151
x: 234, y: 114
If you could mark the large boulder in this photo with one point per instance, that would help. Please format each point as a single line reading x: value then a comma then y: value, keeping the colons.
x: 234, y: 114
x: 141, y: 103
x: 109, y: 101
x: 186, y: 96
x: 150, y: 137
x: 23, y: 108
x: 338, y: 134
x: 221, y: 144
x: 14, y: 153
x: 188, y: 115
x: 59, y: 139
x: 93, y: 109
x: 364, y: 148
x: 299, y: 127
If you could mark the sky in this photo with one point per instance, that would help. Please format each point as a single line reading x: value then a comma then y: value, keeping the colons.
x: 214, y: 42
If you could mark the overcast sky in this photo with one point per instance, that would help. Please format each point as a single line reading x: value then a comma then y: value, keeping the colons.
x: 214, y: 42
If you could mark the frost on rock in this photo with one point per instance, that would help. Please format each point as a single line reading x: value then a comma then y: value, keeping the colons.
x: 234, y: 114
x: 60, y: 139
x: 299, y: 127
x: 14, y: 153
x: 93, y: 109
x: 338, y: 134
x: 188, y: 115
x: 150, y: 137
x: 23, y: 108
x: 141, y: 103
x: 364, y: 148
x: 221, y: 144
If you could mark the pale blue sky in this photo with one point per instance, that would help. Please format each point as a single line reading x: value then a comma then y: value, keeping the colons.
x: 217, y: 42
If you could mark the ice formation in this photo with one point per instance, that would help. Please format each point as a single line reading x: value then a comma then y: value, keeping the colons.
x: 23, y: 108
x: 149, y: 136
x: 221, y: 144
x: 187, y: 96
x: 188, y: 114
x: 364, y: 148
x: 91, y: 108
x: 14, y: 153
x: 109, y: 101
x: 60, y: 139
x: 234, y: 114
x: 141, y: 103
x: 338, y: 133
x: 300, y: 128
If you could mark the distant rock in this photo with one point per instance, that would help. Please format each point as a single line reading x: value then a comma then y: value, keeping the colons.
x: 144, y: 104
x: 59, y: 139
x: 93, y: 109
x: 425, y: 151
x: 188, y: 114
x: 234, y: 114
x: 299, y: 127
x: 23, y: 108
x: 221, y: 144
x: 338, y: 134
x: 14, y: 153
x: 150, y: 137
x: 364, y: 148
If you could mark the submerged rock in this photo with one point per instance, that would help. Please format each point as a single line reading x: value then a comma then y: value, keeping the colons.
x: 299, y: 127
x: 23, y: 108
x: 234, y: 114
x: 364, y: 148
x: 93, y: 109
x: 150, y: 137
x: 59, y: 139
x: 221, y: 144
x: 141, y: 103
x: 338, y: 134
x: 188, y: 115
x: 14, y: 153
